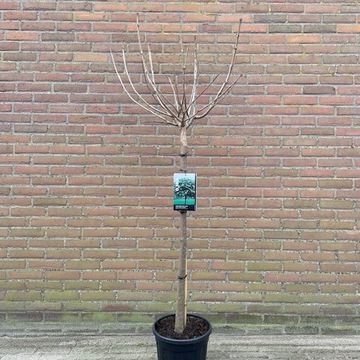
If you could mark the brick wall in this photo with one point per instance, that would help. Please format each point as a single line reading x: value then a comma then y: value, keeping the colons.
x: 86, y: 224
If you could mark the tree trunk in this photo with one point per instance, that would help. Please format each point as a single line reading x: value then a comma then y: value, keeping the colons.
x: 181, y: 307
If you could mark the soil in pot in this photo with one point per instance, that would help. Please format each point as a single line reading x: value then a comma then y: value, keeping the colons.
x: 195, y: 327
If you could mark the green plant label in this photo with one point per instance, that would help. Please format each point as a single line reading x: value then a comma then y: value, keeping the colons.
x: 184, y: 191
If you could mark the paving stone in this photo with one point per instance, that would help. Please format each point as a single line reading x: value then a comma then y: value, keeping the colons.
x: 142, y: 347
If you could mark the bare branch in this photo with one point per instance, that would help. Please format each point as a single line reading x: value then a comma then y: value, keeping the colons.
x: 182, y: 110
x: 146, y: 106
x: 158, y: 93
x: 222, y: 90
x: 191, y: 106
x: 151, y: 107
x: 205, y: 89
x: 150, y: 81
x: 184, y: 107
x: 135, y: 91
x: 151, y: 65
x: 177, y: 88
x: 212, y: 103
x: 177, y: 106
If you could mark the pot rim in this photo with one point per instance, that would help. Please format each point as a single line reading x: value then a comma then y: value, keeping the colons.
x: 182, y: 341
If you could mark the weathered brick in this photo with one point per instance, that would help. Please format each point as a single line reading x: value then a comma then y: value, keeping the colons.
x: 67, y: 295
x: 27, y: 232
x: 282, y: 28
x: 319, y: 90
x: 336, y: 204
x: 49, y: 202
x: 23, y: 295
x: 263, y: 266
x: 320, y: 28
x: 12, y: 264
x: 97, y: 296
x: 62, y: 275
x: 336, y: 183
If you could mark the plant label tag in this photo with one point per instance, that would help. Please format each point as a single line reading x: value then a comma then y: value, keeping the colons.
x: 184, y: 192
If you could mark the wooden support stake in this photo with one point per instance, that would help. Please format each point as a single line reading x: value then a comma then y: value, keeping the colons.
x: 181, y: 307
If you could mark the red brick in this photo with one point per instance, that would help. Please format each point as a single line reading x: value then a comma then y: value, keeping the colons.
x: 10, y: 5
x: 90, y: 57
x: 348, y: 28
x: 252, y: 8
x: 180, y: 8
x: 321, y: 8
x: 287, y: 8
x: 112, y: 6
x: 318, y: 152
x: 22, y: 36
x: 5, y: 107
x: 303, y: 39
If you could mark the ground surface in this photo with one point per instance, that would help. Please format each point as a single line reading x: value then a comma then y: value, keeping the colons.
x: 221, y: 347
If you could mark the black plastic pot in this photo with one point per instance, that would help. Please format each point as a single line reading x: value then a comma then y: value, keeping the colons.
x: 174, y: 349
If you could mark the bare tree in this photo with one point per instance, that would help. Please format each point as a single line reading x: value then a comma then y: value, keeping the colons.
x: 181, y: 109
